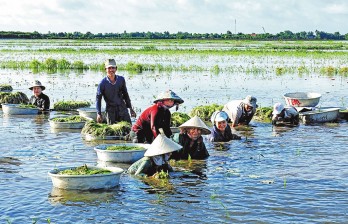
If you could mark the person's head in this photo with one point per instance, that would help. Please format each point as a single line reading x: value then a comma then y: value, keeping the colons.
x: 110, y: 67
x: 278, y: 110
x: 169, y: 99
x: 161, y: 148
x: 219, y: 119
x: 37, y: 88
x: 249, y: 103
x: 194, y: 128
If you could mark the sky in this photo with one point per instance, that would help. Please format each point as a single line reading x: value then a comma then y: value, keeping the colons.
x: 193, y: 16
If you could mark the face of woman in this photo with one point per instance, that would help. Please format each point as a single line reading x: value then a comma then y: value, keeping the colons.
x: 194, y: 133
x: 168, y: 103
x: 221, y: 125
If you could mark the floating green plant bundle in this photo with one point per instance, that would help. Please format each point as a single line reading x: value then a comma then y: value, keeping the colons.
x: 15, y: 98
x: 161, y: 175
x: 83, y: 170
x: 96, y: 129
x: 5, y: 87
x: 205, y: 112
x: 27, y: 106
x: 263, y: 114
x: 123, y: 148
x: 179, y: 118
x: 70, y: 105
x: 70, y: 119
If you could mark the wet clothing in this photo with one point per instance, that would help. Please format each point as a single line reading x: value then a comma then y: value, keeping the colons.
x: 148, y: 167
x: 42, y: 102
x: 289, y: 114
x: 217, y: 136
x: 150, y: 121
x: 237, y: 113
x: 196, y: 150
x: 116, y: 98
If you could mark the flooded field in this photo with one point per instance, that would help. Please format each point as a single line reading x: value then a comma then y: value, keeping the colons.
x: 272, y: 175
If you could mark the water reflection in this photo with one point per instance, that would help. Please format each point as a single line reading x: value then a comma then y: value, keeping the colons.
x: 76, y: 197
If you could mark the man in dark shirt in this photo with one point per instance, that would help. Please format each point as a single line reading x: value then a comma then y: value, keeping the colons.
x: 113, y: 89
x: 39, y: 99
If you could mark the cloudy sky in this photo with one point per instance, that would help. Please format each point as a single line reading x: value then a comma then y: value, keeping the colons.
x: 193, y: 16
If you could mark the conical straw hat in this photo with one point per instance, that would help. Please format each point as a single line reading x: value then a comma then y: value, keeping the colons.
x: 162, y: 145
x: 169, y: 95
x: 196, y: 122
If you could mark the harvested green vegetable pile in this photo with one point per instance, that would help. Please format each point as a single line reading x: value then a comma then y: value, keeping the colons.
x: 96, y: 129
x: 5, y: 87
x: 70, y: 119
x: 123, y: 148
x: 205, y: 112
x: 263, y: 114
x: 83, y: 170
x: 15, y: 98
x: 70, y: 105
x: 161, y: 175
x: 27, y: 106
x: 178, y: 119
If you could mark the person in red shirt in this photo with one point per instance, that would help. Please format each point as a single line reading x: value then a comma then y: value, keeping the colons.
x: 157, y: 116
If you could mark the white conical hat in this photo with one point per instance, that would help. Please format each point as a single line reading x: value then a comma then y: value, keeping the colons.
x: 169, y: 95
x: 196, y: 122
x: 162, y: 145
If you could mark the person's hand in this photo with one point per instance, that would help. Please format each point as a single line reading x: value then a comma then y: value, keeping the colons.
x: 99, y: 118
x: 274, y: 122
x: 132, y: 112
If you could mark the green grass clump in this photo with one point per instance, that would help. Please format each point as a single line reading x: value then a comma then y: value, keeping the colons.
x: 133, y: 66
x: 161, y: 175
x: 96, y: 129
x: 70, y: 105
x: 5, y: 87
x: 83, y: 170
x: 123, y: 148
x: 205, y: 112
x: 178, y: 119
x: 70, y: 119
x: 27, y: 106
x: 263, y: 114
x: 15, y: 98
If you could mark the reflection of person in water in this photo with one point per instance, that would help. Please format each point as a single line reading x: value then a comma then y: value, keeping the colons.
x: 156, y: 157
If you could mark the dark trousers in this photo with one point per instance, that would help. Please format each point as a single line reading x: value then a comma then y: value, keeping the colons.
x: 117, y: 114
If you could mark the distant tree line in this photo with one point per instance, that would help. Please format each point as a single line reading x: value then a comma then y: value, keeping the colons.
x: 286, y: 35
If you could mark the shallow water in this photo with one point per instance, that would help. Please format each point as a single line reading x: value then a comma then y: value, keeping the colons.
x: 273, y: 175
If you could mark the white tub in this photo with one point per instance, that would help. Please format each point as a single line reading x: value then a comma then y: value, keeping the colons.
x: 86, y: 182
x: 66, y: 125
x: 119, y: 156
x: 14, y: 109
x: 319, y: 115
x: 302, y: 99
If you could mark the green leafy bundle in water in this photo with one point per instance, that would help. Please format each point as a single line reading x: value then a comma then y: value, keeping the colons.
x: 96, y: 129
x: 5, y: 87
x: 123, y: 148
x: 15, y: 98
x: 179, y: 118
x: 70, y: 105
x: 27, y: 106
x: 263, y: 114
x: 70, y: 119
x: 83, y: 170
x: 161, y: 175
x: 205, y: 112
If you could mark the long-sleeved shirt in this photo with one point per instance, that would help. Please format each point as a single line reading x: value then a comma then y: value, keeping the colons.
x: 42, y: 101
x: 114, y: 94
x: 196, y: 150
x: 152, y: 119
x: 236, y: 112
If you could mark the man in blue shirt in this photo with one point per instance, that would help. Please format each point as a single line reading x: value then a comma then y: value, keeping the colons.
x: 113, y: 89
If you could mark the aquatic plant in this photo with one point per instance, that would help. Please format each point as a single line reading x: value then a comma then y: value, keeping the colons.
x: 70, y: 105
x: 70, y: 119
x: 205, y: 112
x: 5, y: 87
x: 161, y: 175
x: 83, y: 170
x: 123, y: 148
x: 97, y: 129
x: 27, y: 106
x: 15, y: 98
x: 263, y: 114
x: 178, y: 119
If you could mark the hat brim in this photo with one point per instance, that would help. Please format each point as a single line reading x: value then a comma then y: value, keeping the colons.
x: 42, y: 87
x: 176, y: 101
x: 205, y: 131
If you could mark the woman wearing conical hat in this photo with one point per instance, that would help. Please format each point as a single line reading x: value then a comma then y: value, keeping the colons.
x: 221, y: 132
x: 190, y: 137
x: 157, y: 116
x: 156, y: 157
x: 38, y: 98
